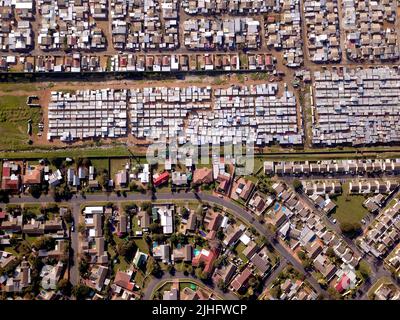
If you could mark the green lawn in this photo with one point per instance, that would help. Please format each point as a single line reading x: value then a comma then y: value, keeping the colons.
x: 142, y: 245
x: 139, y: 278
x: 239, y: 249
x: 116, y: 165
x: 349, y: 207
x: 14, y: 116
x: 33, y: 208
x: 101, y: 164
x: 87, y: 150
x: 183, y: 285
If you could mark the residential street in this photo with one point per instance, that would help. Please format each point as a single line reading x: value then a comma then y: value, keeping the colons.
x: 235, y: 209
x: 148, y: 291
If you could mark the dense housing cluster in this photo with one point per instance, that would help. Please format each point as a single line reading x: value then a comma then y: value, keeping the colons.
x: 283, y: 32
x: 322, y: 21
x: 370, y: 30
x: 157, y: 112
x: 16, y: 29
x: 144, y: 24
x: 65, y: 25
x: 333, y: 167
x: 87, y: 114
x: 229, y: 6
x: 257, y: 114
x: 356, y: 107
x: 210, y: 34
x: 384, y: 232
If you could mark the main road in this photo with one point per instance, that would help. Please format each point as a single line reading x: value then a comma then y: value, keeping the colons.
x: 235, y: 209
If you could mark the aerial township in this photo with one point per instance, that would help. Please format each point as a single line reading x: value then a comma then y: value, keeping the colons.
x: 311, y: 87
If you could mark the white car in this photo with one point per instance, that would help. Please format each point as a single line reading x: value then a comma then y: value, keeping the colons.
x: 334, y: 220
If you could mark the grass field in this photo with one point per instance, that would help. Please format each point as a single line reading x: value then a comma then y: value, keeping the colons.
x: 239, y: 249
x: 349, y: 207
x: 142, y: 245
x: 10, y: 87
x: 101, y: 164
x: 14, y: 116
x: 85, y: 151
x: 116, y: 165
x: 33, y: 208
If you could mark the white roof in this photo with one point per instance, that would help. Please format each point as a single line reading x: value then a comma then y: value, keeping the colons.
x: 245, y: 239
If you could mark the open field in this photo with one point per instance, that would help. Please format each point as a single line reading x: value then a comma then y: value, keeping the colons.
x: 101, y: 164
x: 117, y: 165
x: 349, y: 207
x: 14, y: 117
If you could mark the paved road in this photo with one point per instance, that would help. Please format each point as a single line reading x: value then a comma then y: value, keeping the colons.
x: 235, y: 209
x: 74, y: 268
x: 154, y: 282
x: 377, y: 268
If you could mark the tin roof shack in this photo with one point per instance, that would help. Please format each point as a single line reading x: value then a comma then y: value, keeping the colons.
x: 87, y: 114
x: 356, y: 107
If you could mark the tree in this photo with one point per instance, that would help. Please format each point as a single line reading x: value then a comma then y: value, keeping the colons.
x: 153, y: 267
x: 4, y: 197
x: 146, y: 206
x: 350, y: 229
x: 275, y: 291
x: 68, y: 216
x: 322, y: 282
x: 44, y: 242
x: 126, y: 248
x: 306, y: 264
x: 83, y: 268
x: 35, y: 191
x: 81, y: 292
x: 198, y: 272
x: 364, y: 270
x: 302, y: 255
x: 222, y: 285
x: 171, y: 270
x: 81, y: 228
x: 297, y: 185
x: 64, y: 286
x: 330, y: 252
x: 102, y: 178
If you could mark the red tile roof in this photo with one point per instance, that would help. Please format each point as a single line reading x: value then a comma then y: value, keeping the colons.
x: 162, y: 178
x: 343, y: 284
x: 207, y: 259
x: 123, y: 280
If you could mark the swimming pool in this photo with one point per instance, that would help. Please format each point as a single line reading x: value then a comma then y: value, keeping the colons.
x: 196, y: 252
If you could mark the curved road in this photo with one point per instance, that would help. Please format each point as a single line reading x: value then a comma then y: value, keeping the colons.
x: 235, y: 209
x: 180, y: 275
